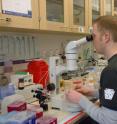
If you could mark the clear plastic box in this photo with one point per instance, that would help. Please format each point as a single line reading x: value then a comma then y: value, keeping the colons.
x: 7, y: 90
x: 4, y: 118
x: 24, y: 117
x: 47, y: 120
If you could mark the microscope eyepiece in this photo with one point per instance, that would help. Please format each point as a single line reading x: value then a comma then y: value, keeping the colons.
x: 89, y: 38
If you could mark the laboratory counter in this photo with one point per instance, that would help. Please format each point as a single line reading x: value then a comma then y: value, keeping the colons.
x: 64, y: 117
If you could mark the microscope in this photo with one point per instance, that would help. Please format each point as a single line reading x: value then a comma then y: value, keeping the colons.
x: 56, y: 69
x: 71, y: 53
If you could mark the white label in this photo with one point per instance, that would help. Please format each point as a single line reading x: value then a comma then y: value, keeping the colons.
x: 109, y: 93
x: 16, y: 6
x: 90, y: 29
x: 81, y: 29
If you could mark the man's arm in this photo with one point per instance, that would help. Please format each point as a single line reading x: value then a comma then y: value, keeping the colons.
x: 100, y: 114
x: 95, y: 93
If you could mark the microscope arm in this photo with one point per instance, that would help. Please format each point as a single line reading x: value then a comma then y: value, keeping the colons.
x: 71, y: 52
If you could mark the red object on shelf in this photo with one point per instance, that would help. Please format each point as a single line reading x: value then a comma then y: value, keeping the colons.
x: 39, y: 70
x: 17, y: 106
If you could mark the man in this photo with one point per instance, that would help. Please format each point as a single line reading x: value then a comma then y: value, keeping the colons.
x: 105, y: 42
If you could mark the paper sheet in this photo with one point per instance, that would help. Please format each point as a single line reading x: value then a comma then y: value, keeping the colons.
x: 16, y: 7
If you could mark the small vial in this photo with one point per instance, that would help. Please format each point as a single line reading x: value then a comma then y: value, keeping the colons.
x: 21, y: 84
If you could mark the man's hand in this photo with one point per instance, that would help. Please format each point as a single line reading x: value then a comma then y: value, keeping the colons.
x: 85, y: 90
x: 73, y: 96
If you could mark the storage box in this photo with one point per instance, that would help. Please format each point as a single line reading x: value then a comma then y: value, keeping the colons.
x: 17, y: 106
x: 24, y: 117
x: 36, y: 109
x: 47, y: 120
x: 4, y: 118
x: 7, y: 90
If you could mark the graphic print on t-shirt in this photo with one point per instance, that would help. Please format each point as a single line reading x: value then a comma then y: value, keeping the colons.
x: 109, y: 93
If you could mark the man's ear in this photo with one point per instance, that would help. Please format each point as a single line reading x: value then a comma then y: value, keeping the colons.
x: 107, y: 36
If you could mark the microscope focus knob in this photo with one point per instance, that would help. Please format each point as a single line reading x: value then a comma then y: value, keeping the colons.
x: 51, y: 87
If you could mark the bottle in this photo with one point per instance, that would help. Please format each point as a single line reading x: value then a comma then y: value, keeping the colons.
x: 21, y: 84
x: 3, y: 80
x: 8, y: 66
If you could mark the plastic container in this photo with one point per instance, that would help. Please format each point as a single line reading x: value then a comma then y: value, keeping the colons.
x: 36, y: 109
x: 4, y: 118
x: 24, y: 117
x: 8, y: 100
x: 8, y: 66
x: 4, y: 80
x: 17, y: 106
x: 7, y: 90
x: 47, y: 120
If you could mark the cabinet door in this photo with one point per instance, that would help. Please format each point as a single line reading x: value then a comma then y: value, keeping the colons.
x: 115, y: 7
x: 0, y: 7
x: 78, y: 15
x: 108, y: 7
x: 95, y: 10
x: 53, y: 15
x: 19, y: 21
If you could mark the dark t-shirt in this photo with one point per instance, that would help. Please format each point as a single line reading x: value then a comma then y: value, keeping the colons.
x: 108, y: 84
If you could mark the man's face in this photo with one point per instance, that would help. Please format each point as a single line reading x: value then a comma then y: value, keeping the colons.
x: 97, y: 39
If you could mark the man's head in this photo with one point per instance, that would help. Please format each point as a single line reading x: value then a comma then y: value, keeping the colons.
x: 104, y: 33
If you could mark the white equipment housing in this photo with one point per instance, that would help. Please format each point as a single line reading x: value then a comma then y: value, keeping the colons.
x: 55, y: 68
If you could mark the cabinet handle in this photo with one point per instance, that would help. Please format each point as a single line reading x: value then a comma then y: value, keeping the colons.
x: 6, y: 19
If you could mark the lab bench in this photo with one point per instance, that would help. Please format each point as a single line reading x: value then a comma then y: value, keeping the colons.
x: 64, y: 117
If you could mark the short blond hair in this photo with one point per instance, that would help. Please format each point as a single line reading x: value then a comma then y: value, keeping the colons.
x: 107, y: 23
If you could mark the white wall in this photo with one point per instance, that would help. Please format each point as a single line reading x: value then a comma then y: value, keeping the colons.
x: 48, y: 44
